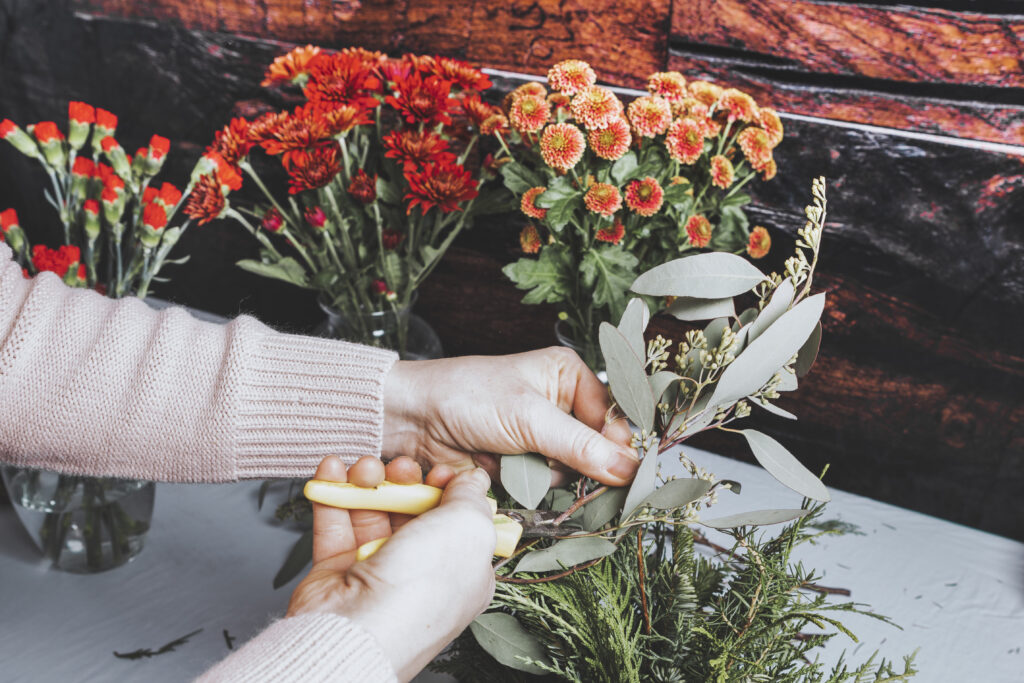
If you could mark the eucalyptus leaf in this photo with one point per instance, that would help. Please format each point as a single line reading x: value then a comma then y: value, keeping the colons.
x: 734, y: 486
x: 713, y: 275
x: 559, y: 500
x: 769, y: 352
x: 603, y: 509
x: 526, y: 477
x: 773, y: 409
x: 677, y: 493
x: 287, y: 269
x: 782, y: 465
x: 644, y: 483
x: 745, y: 318
x: 755, y: 518
x: 633, y: 324
x: 714, y: 332
x: 660, y: 381
x: 688, y: 308
x: 777, y: 305
x: 627, y: 378
x: 788, y: 382
x: 300, y: 555
x: 504, y: 638
x: 566, y: 553
x: 808, y: 352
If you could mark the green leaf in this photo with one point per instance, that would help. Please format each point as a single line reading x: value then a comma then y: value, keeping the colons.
x: 782, y: 465
x: 608, y: 272
x: 287, y: 269
x: 755, y: 518
x: 549, y: 277
x: 387, y: 192
x: 660, y: 381
x: 394, y: 272
x: 624, y: 167
x: 737, y: 200
x: 677, y: 493
x: 781, y: 299
x: 627, y: 378
x: 633, y: 324
x: 808, y: 352
x: 644, y: 483
x: 504, y: 638
x: 565, y: 553
x: 526, y: 477
x: 495, y: 201
x: 705, y: 276
x: 519, y: 178
x: 603, y: 509
x: 769, y: 352
x: 677, y: 194
x: 301, y: 555
x: 688, y: 308
x: 558, y: 191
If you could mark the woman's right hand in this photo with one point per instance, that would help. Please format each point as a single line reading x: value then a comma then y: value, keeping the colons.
x: 426, y: 584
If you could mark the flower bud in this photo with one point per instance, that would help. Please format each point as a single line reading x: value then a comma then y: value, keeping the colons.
x: 117, y: 158
x: 81, y: 173
x: 154, y: 219
x: 391, y: 296
x: 106, y: 126
x: 81, y: 116
x: 157, y: 154
x: 91, y: 209
x: 316, y: 217
x: 10, y: 230
x: 113, y: 208
x: 380, y: 286
x: 272, y: 220
x: 10, y: 132
x: 51, y: 140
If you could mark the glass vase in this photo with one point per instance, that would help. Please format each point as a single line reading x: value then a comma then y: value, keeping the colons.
x: 395, y: 327
x: 589, y: 349
x: 81, y: 524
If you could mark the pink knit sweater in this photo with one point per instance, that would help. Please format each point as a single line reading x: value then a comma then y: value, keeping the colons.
x: 94, y: 386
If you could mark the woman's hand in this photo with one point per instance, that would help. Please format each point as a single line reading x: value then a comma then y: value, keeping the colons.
x: 426, y: 584
x: 455, y: 411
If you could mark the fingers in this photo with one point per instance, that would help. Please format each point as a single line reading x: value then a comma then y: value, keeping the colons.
x: 368, y: 525
x: 560, y: 436
x: 490, y: 464
x: 403, y: 470
x: 469, y: 488
x: 580, y: 388
x: 440, y: 476
x: 332, y: 527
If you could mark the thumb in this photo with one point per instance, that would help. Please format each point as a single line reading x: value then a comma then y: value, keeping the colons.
x: 562, y: 437
x: 469, y: 488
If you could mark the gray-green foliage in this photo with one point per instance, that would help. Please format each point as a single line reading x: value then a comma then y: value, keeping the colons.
x: 747, y: 615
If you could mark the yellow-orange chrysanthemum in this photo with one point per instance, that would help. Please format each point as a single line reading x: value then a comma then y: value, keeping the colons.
x: 613, y: 234
x: 739, y: 105
x: 612, y: 141
x: 704, y: 92
x: 772, y: 125
x: 596, y: 107
x: 650, y: 115
x: 603, y: 198
x: 685, y: 140
x: 528, y: 203
x: 760, y: 243
x: 667, y: 84
x: 645, y: 197
x: 769, y: 170
x: 722, y: 172
x: 562, y: 146
x: 529, y: 113
x: 698, y: 231
x: 756, y: 146
x: 571, y: 76
x: 529, y: 240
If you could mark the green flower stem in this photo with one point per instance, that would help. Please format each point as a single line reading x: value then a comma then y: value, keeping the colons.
x: 465, y: 153
x: 259, y: 235
x: 251, y: 172
x: 296, y: 244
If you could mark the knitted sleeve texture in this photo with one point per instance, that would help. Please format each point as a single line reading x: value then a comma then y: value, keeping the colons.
x: 90, y: 385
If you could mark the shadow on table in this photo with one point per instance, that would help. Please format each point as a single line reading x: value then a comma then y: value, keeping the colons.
x: 15, y: 543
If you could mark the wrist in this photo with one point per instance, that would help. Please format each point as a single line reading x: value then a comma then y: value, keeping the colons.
x: 400, y: 428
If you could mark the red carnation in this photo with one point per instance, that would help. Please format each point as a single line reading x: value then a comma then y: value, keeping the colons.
x: 6, y: 128
x: 150, y: 194
x: 109, y: 143
x: 104, y: 119
x: 47, y: 131
x: 83, y: 167
x: 82, y: 113
x: 57, y: 261
x: 154, y: 217
x: 170, y: 195
x: 158, y: 147
x: 91, y: 206
x: 8, y: 219
x: 442, y: 184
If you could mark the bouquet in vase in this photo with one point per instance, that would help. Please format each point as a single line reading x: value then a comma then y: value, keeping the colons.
x: 612, y: 189
x: 378, y: 184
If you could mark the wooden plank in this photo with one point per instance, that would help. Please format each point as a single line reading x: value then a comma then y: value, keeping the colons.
x: 857, y: 102
x: 898, y: 43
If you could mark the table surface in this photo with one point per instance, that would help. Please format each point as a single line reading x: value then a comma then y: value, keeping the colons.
x: 957, y: 592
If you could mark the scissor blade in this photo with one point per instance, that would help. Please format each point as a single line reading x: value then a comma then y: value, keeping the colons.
x: 540, y: 523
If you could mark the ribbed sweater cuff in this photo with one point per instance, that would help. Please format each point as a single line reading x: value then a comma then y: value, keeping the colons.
x: 304, y: 398
x: 306, y: 648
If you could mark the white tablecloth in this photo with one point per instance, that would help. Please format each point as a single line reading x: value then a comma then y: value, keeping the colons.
x: 958, y: 593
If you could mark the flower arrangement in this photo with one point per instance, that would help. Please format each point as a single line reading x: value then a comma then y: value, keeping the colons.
x: 613, y: 189
x: 378, y: 184
x: 614, y: 591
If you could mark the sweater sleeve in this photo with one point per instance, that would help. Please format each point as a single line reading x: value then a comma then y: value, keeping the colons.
x: 90, y: 385
x: 306, y: 649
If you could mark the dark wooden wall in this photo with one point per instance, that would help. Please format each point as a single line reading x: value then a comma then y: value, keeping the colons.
x: 918, y: 397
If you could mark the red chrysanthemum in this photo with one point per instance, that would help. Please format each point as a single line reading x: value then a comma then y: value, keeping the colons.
x: 390, y: 239
x: 529, y: 240
x: 645, y: 197
x: 169, y: 195
x: 272, y: 220
x: 698, y: 230
x: 6, y: 128
x: 562, y: 146
x: 685, y: 140
x: 739, y: 105
x: 670, y: 85
x: 58, y: 260
x: 158, y: 147
x: 443, y: 184
x: 603, y: 198
x: 476, y: 110
x: 310, y: 169
x: 232, y: 142
x: 756, y: 146
x: 47, y: 131
x: 571, y: 76
x: 414, y: 148
x: 529, y: 113
x: 528, y: 203
x: 760, y: 243
x: 82, y: 113
x: 154, y: 216
x: 423, y: 100
x: 613, y: 234
x: 206, y: 201
x: 262, y: 129
x: 650, y: 115
x: 596, y: 107
x: 83, y: 167
x: 772, y: 124
x: 363, y: 187
x: 342, y: 78
x: 303, y: 128
x: 704, y: 92
x: 8, y: 219
x: 460, y: 74
x: 291, y: 66
x: 722, y: 173
x: 226, y: 173
x: 612, y: 141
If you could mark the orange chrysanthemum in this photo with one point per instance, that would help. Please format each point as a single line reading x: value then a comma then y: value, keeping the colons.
x: 650, y: 116
x: 299, y: 130
x: 529, y: 240
x: 645, y: 197
x: 343, y: 78
x: 612, y: 141
x: 722, y: 173
x: 698, y: 231
x: 232, y: 142
x: 529, y: 113
x: 772, y: 125
x: 685, y: 141
x: 756, y: 146
x: 460, y: 74
x: 414, y: 148
x: 444, y: 184
x: 613, y: 234
x: 571, y: 76
x: 341, y: 119
x: 206, y: 201
x: 309, y: 169
x: 596, y: 107
x: 476, y: 110
x: 739, y: 105
x: 760, y: 243
x: 562, y: 146
x: 603, y: 199
x: 292, y: 67
x: 669, y: 85
x: 494, y: 125
x: 262, y: 128
x: 704, y: 92
x: 528, y: 204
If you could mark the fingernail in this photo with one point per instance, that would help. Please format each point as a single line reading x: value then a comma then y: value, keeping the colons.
x: 623, y: 466
x: 482, y: 477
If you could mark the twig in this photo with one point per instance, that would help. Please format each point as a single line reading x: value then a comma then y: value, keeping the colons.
x: 640, y: 568
x: 146, y: 652
x: 578, y: 504
x: 545, y: 579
